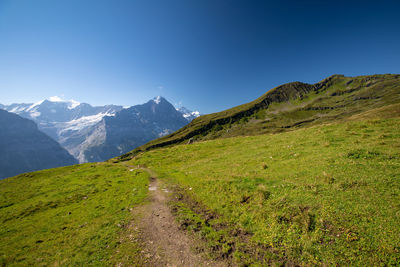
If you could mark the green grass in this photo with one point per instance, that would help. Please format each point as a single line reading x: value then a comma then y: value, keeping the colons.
x: 327, y: 194
x: 70, y: 216
x: 287, y: 107
x: 304, y: 175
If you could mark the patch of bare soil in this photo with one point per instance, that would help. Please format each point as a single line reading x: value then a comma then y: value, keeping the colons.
x: 164, y: 243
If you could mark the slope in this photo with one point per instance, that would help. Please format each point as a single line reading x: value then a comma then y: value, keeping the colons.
x: 130, y: 128
x: 69, y: 216
x: 289, y: 106
x: 61, y: 118
x: 81, y: 129
x: 66, y: 121
x: 24, y: 148
x: 327, y: 194
x: 322, y: 195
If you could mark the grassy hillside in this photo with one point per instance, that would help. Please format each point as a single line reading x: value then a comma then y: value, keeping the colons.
x: 326, y: 194
x: 305, y: 175
x: 287, y: 107
x: 70, y: 216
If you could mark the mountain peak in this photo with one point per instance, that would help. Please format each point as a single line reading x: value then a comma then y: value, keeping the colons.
x: 188, y: 114
x: 158, y: 99
x: 71, y: 103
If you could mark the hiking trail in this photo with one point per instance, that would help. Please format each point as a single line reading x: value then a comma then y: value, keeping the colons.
x: 164, y: 243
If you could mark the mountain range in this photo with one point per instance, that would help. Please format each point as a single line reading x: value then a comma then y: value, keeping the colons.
x: 130, y: 128
x: 305, y: 175
x: 96, y: 133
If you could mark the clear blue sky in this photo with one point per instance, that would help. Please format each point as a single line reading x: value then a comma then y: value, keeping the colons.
x: 208, y: 54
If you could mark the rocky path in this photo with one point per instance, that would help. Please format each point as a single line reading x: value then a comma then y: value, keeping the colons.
x: 165, y: 244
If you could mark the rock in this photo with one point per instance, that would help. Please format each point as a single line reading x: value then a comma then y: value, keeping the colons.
x: 25, y: 149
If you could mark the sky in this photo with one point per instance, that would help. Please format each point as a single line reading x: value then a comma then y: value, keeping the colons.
x: 207, y: 55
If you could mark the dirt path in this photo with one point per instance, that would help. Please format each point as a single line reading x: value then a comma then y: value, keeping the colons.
x: 165, y: 244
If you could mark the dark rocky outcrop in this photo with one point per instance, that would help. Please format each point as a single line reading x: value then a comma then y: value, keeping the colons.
x: 23, y: 148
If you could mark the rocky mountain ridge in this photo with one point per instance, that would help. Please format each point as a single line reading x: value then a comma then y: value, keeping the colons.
x: 289, y: 106
x: 80, y: 126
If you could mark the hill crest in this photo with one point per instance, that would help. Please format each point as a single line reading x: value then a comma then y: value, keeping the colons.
x: 288, y: 106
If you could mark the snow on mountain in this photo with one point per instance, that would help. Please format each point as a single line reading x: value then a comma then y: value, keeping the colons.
x: 17, y: 109
x: 77, y: 126
x: 71, y: 103
x: 55, y: 109
x: 31, y: 111
x: 130, y: 128
x: 66, y: 121
x: 188, y: 114
x: 83, y: 122
x: 196, y: 113
x: 34, y: 114
x: 157, y: 99
x: 32, y: 106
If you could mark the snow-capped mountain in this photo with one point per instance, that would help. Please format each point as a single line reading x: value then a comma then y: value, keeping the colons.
x: 66, y: 121
x: 130, y: 128
x: 55, y: 109
x: 188, y: 114
x: 80, y: 127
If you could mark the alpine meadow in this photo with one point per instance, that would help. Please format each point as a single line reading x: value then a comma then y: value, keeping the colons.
x: 305, y: 175
x: 199, y: 133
